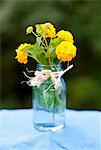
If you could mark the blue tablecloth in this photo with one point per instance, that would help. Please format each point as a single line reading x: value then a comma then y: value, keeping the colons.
x: 82, y: 132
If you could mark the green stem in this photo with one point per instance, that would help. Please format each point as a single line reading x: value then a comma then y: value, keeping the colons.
x: 35, y: 34
x: 45, y: 41
x: 54, y: 108
x: 47, y: 48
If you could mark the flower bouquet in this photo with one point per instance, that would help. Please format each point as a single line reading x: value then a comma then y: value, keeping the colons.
x: 48, y: 87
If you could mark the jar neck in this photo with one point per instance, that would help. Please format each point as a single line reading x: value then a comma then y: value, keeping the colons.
x: 54, y: 68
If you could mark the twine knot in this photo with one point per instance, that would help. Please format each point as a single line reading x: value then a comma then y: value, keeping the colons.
x: 41, y: 76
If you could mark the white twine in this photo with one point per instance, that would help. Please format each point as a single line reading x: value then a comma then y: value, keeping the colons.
x: 43, y: 75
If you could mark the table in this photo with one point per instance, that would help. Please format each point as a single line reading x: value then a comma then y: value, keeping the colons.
x: 82, y: 132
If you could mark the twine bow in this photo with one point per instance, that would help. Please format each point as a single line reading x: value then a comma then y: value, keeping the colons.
x: 43, y: 75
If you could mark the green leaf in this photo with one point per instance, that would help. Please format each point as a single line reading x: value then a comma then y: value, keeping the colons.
x: 38, y: 54
x: 52, y: 100
x: 28, y: 49
x: 38, y: 40
x: 38, y: 92
x: 52, y: 52
x: 40, y: 59
x: 55, y: 42
x: 49, y: 100
x: 35, y: 51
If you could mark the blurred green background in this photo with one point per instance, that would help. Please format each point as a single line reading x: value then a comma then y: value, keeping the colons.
x: 82, y: 18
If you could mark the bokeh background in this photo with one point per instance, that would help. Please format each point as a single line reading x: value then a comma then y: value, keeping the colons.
x: 82, y: 18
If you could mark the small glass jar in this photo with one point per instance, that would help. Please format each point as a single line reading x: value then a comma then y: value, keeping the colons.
x: 49, y: 103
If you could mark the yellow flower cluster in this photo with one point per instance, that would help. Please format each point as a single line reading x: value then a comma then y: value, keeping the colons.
x: 65, y: 51
x: 65, y: 36
x: 61, y: 42
x: 22, y: 56
x: 48, y: 30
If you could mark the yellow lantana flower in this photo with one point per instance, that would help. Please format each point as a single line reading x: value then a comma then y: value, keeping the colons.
x: 48, y: 29
x: 65, y: 51
x: 22, y: 56
x: 65, y: 36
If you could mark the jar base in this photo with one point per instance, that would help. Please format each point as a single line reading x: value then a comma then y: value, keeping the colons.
x: 48, y: 126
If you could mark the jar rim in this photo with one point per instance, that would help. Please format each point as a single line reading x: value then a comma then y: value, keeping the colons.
x: 41, y: 65
x: 49, y: 67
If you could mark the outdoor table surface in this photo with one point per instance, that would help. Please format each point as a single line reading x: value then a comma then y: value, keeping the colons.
x: 82, y: 131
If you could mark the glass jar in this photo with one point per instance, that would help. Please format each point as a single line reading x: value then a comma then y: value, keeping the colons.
x: 49, y: 103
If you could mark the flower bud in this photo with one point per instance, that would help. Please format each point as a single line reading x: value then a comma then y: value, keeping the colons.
x: 29, y: 30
